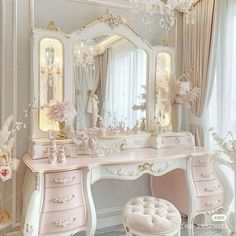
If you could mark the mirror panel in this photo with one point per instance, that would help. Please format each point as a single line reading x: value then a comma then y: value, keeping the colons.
x: 113, y: 82
x: 51, y: 81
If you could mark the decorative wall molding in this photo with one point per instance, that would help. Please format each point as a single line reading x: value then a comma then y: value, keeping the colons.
x: 2, y: 60
x: 15, y: 100
x: 122, y: 4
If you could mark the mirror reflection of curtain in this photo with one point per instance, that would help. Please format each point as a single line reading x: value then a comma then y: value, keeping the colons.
x: 84, y: 82
x: 126, y: 74
x: 103, y: 61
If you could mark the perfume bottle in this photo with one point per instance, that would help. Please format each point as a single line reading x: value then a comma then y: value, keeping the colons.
x: 52, y: 157
x: 61, y: 155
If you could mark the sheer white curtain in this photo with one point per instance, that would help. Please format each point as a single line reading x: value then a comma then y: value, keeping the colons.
x: 85, y: 81
x: 126, y: 74
x: 221, y: 113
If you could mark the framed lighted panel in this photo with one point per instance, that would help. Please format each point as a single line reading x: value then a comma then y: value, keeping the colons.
x: 165, y: 69
x: 51, y: 76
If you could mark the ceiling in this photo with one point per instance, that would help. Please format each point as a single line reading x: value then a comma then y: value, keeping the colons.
x: 125, y: 4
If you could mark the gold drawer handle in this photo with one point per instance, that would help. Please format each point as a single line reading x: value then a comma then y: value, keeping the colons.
x: 64, y: 180
x: 145, y: 167
x: 64, y: 223
x: 212, y: 203
x: 64, y: 199
x: 212, y: 189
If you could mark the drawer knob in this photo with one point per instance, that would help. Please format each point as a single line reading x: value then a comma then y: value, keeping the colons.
x: 64, y: 199
x: 64, y: 223
x: 64, y: 180
x: 212, y: 203
x: 212, y: 189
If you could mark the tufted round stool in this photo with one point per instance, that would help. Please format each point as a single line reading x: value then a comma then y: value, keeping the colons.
x: 150, y: 216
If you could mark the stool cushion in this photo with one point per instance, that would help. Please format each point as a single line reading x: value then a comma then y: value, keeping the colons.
x: 151, y: 215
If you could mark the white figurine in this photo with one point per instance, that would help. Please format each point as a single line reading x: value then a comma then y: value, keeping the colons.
x: 93, y: 108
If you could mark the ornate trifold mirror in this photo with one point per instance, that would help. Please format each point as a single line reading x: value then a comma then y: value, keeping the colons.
x: 110, y: 76
x: 106, y: 69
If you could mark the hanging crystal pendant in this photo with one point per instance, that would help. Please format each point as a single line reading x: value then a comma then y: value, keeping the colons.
x: 190, y: 16
x: 166, y: 9
x: 167, y: 21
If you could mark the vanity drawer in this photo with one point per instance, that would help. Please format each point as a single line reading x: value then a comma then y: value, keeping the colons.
x: 55, y: 222
x: 210, y: 202
x: 208, y: 188
x: 64, y: 198
x: 204, y: 173
x: 61, y: 179
x: 202, y: 161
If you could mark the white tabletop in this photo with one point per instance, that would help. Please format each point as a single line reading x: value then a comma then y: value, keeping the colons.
x: 123, y: 157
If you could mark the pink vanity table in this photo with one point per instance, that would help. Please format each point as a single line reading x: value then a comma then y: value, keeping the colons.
x: 58, y: 199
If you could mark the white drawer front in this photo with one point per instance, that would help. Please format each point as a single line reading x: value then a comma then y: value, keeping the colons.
x: 61, y: 179
x: 64, y: 198
x: 208, y: 188
x: 58, y: 222
x: 204, y: 173
x: 132, y: 171
x: 210, y: 203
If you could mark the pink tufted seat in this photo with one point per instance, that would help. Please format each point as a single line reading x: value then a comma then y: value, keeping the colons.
x: 151, y: 216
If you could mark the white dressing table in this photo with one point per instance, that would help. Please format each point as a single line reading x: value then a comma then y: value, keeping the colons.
x: 57, y: 197
x: 58, y: 200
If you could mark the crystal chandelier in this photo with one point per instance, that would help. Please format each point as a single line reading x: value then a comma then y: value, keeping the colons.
x: 83, y: 56
x: 166, y: 9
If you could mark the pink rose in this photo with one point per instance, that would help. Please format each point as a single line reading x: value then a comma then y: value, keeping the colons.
x: 5, y: 173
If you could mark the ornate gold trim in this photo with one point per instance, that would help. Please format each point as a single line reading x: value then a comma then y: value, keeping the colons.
x: 51, y: 26
x: 164, y: 43
x: 5, y: 217
x: 145, y: 167
x: 112, y: 20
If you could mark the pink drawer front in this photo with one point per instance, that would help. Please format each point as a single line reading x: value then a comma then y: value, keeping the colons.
x: 210, y: 203
x: 202, y: 161
x: 64, y: 198
x: 204, y: 173
x: 208, y: 188
x: 61, y: 179
x: 55, y: 222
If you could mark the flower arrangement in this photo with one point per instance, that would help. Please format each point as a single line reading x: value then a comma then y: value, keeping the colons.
x: 8, y: 164
x: 181, y: 90
x: 227, y: 145
x: 61, y: 111
x: 7, y: 139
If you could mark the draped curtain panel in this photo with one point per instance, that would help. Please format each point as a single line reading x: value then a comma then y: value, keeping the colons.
x: 221, y: 112
x: 197, y: 53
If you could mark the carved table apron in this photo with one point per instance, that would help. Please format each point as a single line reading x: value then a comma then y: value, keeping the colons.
x: 82, y: 172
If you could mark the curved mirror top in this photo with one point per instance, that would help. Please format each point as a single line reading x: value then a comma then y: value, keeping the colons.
x: 110, y: 76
